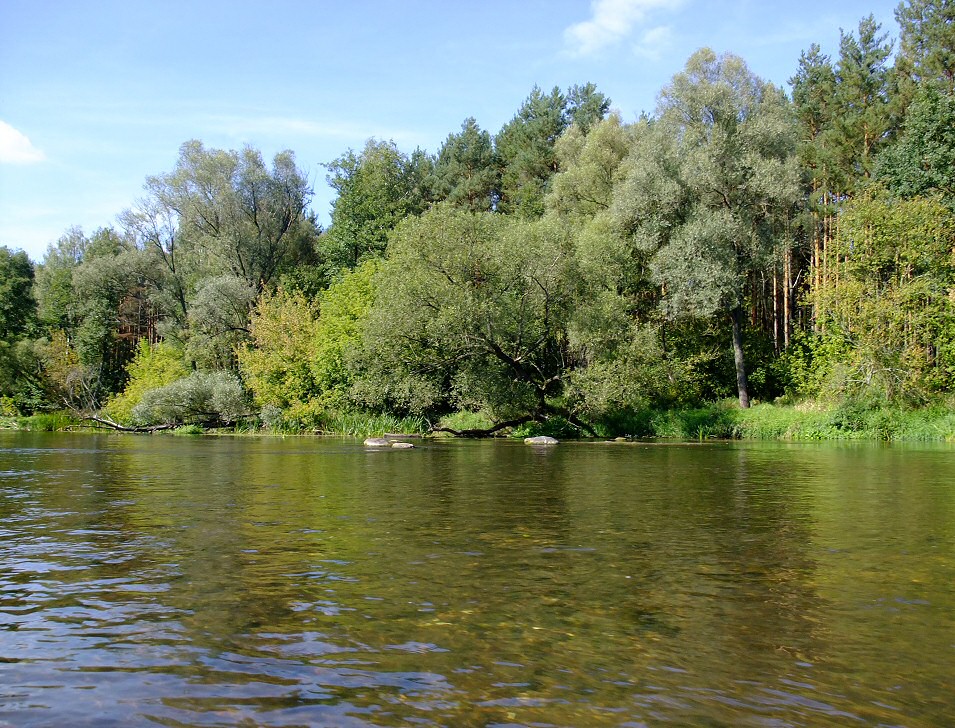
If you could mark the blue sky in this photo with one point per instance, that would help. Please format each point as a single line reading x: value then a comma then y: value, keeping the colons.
x: 96, y: 96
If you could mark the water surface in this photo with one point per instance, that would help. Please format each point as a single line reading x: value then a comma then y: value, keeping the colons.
x: 302, y: 582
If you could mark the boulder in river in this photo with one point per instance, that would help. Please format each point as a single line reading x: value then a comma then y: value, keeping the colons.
x: 540, y: 440
x: 402, y: 445
x: 377, y: 442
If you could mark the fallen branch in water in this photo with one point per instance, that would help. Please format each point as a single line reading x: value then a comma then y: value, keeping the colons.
x: 484, y: 432
x: 106, y: 422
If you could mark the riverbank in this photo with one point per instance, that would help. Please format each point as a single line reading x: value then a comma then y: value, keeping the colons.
x: 806, y: 421
x: 719, y: 420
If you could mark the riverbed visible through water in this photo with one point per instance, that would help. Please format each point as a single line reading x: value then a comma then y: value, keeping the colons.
x: 240, y: 581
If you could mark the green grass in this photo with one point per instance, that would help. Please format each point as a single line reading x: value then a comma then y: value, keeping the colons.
x: 189, y: 430
x: 466, y: 420
x: 851, y: 420
x: 370, y: 424
x: 46, y: 422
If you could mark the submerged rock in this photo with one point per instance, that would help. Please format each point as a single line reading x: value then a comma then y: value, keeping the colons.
x: 377, y: 442
x: 540, y: 440
x: 402, y: 445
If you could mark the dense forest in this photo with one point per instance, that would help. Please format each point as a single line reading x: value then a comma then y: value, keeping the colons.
x: 572, y: 271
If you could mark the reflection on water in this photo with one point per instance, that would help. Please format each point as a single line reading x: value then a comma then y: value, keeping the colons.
x: 300, y: 582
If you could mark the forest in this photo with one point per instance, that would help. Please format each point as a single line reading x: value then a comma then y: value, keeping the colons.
x: 574, y: 273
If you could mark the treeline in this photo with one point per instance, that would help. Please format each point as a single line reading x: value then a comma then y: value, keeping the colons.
x: 572, y: 268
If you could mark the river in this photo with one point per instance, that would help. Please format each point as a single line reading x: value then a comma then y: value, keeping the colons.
x: 239, y: 581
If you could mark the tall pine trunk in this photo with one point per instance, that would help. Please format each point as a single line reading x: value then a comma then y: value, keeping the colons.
x: 737, y: 316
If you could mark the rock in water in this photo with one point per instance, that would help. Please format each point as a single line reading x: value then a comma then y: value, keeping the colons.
x: 377, y: 442
x: 540, y: 440
x: 402, y: 445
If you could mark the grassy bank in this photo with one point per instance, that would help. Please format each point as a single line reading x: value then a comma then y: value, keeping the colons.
x: 847, y: 421
x: 719, y: 420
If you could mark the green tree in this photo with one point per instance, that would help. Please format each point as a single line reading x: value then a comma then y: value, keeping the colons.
x: 344, y: 310
x: 201, y: 398
x: 927, y: 43
x: 91, y: 290
x: 17, y: 304
x: 242, y: 218
x: 276, y: 363
x: 219, y: 321
x: 892, y: 308
x: 586, y: 106
x: 814, y: 86
x: 376, y: 190
x: 153, y: 225
x: 54, y: 280
x: 303, y: 363
x: 708, y: 190
x: 921, y: 161
x: 19, y: 385
x: 526, y: 149
x: 466, y: 173
x: 862, y: 96
x: 814, y: 104
x: 590, y: 164
x: 472, y: 312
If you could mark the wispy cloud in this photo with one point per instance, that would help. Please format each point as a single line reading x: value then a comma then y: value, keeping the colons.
x: 243, y: 126
x: 654, y: 42
x: 611, y: 22
x: 16, y: 148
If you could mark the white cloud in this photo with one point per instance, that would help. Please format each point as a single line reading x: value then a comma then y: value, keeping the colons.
x: 277, y: 126
x: 653, y: 42
x: 611, y: 22
x: 16, y: 148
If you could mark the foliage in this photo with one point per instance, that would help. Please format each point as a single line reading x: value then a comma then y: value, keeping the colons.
x: 154, y: 366
x: 201, y: 398
x: 276, y: 362
x: 891, y: 301
x: 707, y: 189
x: 239, y: 217
x: 462, y: 420
x: 18, y: 310
x: 811, y: 364
x: 922, y: 160
x: 219, y: 320
x: 575, y: 270
x: 927, y: 43
x: 47, y: 422
x: 863, y: 112
x: 339, y: 334
x: 525, y: 146
x: 590, y: 165
x: 17, y: 305
x: 472, y: 313
x: 300, y: 356
x: 377, y: 188
x: 466, y: 172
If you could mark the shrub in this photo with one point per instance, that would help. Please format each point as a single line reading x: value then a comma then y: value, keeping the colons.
x: 201, y: 398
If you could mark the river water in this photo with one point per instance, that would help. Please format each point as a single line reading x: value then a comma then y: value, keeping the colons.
x: 223, y: 581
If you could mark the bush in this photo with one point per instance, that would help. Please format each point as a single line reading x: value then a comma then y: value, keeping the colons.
x: 466, y: 420
x: 209, y: 398
x: 154, y: 366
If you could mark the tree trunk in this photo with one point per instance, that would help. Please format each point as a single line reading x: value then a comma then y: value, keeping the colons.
x: 776, y: 326
x: 787, y: 287
x: 737, y: 316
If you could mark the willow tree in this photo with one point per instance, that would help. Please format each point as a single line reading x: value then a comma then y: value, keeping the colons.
x: 241, y: 218
x: 707, y: 195
x: 472, y: 313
